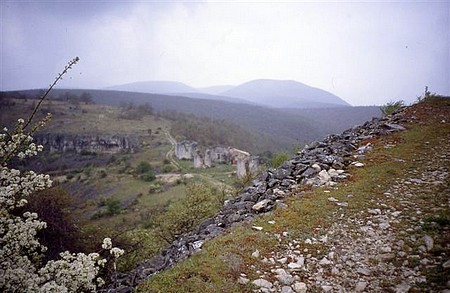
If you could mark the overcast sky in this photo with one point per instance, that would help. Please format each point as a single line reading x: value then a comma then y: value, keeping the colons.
x: 365, y: 52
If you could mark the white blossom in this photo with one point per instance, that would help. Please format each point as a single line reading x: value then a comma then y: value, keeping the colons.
x: 20, y: 250
x: 107, y: 244
x: 116, y: 252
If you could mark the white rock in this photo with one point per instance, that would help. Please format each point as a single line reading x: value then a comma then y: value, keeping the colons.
x: 446, y: 264
x: 396, y: 214
x: 300, y: 287
x: 279, y: 192
x: 333, y: 173
x: 365, y: 148
x: 332, y: 199
x: 324, y: 239
x: 284, y: 278
x: 402, y: 288
x: 324, y: 262
x: 259, y: 206
x: 301, y: 260
x: 197, y: 244
x: 324, y: 177
x: 358, y: 164
x: 374, y: 211
x: 429, y: 243
x: 256, y: 253
x: 262, y: 283
x: 257, y: 228
x: 294, y: 266
x: 308, y: 241
x: 243, y: 280
x: 286, y: 289
x: 365, y: 228
x: 360, y: 286
x: 364, y: 271
x: 327, y: 288
x: 384, y: 225
x: 282, y: 260
x: 316, y: 167
x: 385, y: 249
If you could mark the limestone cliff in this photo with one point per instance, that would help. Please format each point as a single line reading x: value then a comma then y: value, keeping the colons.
x: 89, y: 143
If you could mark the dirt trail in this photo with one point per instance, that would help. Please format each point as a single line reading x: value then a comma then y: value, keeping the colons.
x: 170, y: 153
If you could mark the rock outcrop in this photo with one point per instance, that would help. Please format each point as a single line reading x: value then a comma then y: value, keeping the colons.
x: 87, y: 143
x: 320, y: 163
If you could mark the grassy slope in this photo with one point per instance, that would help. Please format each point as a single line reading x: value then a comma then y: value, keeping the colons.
x: 217, y: 267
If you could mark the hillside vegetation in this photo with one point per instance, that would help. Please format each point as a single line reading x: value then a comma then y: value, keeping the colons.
x: 128, y: 195
x: 288, y: 129
x: 385, y: 229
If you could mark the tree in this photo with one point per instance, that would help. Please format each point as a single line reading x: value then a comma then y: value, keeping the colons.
x: 145, y: 171
x: 86, y: 98
x: 21, y: 254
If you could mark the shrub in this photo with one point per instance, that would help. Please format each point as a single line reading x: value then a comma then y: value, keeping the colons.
x: 145, y: 171
x: 182, y: 216
x: 279, y: 159
x: 391, y: 107
x: 113, y: 206
x: 167, y: 168
x: 143, y: 167
x: 148, y: 176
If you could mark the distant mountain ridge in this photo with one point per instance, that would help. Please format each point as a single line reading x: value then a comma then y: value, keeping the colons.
x: 285, y: 94
x: 264, y: 92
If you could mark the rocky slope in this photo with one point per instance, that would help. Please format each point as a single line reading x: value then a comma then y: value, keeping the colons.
x: 374, y: 243
x: 383, y: 249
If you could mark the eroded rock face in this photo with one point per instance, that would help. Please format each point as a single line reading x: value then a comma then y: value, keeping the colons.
x: 89, y: 143
x: 316, y: 164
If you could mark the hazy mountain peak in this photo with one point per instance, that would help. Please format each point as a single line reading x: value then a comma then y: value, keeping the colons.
x: 285, y: 94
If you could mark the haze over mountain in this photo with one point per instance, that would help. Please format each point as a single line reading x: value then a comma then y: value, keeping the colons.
x: 178, y: 89
x: 216, y: 90
x: 285, y: 94
x: 265, y: 92
x: 154, y: 87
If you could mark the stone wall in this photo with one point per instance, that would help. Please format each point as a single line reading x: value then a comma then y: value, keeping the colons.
x: 219, y: 155
x: 247, y: 165
x: 185, y: 150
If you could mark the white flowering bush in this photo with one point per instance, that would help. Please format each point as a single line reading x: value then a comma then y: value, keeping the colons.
x: 21, y: 254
